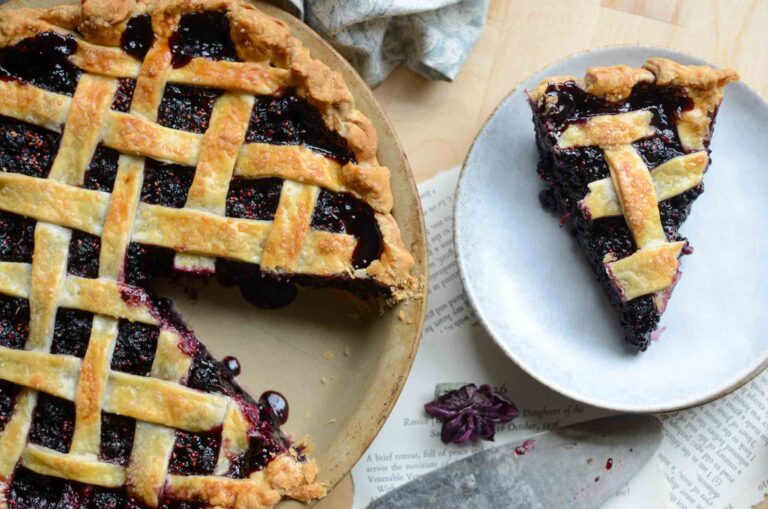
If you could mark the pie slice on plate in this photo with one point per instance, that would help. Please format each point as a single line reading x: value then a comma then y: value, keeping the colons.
x: 623, y: 152
x: 140, y: 138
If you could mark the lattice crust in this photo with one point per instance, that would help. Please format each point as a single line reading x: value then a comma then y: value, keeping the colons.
x: 271, y: 61
x: 632, y: 191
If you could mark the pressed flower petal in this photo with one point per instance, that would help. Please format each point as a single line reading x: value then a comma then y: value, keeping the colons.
x: 470, y: 412
x: 435, y: 409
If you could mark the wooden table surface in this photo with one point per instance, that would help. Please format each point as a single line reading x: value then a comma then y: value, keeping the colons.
x: 437, y: 121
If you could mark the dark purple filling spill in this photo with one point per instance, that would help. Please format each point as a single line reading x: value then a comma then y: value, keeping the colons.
x: 14, y: 322
x: 291, y: 120
x: 343, y: 213
x: 53, y: 423
x: 275, y: 405
x: 187, y: 108
x: 265, y: 291
x: 567, y: 173
x: 124, y: 94
x: 42, y: 61
x: 195, y: 453
x: 102, y: 170
x: 135, y: 348
x: 232, y: 365
x: 204, y: 34
x: 26, y: 149
x: 117, y: 434
x: 138, y: 36
x: 71, y: 332
x: 83, y: 259
x: 166, y: 184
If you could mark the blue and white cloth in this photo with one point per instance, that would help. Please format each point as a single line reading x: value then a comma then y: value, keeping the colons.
x: 431, y: 37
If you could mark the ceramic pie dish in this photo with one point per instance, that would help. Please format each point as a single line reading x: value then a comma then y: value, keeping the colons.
x: 142, y: 141
x: 549, y: 313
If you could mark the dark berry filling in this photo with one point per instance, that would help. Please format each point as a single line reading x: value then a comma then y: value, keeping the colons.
x: 166, y: 184
x: 138, y: 36
x: 275, y: 405
x: 254, y: 199
x: 42, y: 60
x: 53, y: 423
x: 102, y: 170
x: 117, y: 434
x: 135, y: 348
x: 290, y: 120
x: 71, y: 332
x: 187, y: 108
x: 569, y: 171
x: 144, y: 262
x: 30, y: 490
x: 209, y: 375
x: 14, y: 322
x: 17, y: 238
x: 8, y: 392
x: 204, y: 34
x: 26, y: 149
x: 266, y: 291
x: 83, y: 259
x: 124, y: 94
x: 195, y: 453
x: 343, y: 213
x: 232, y: 364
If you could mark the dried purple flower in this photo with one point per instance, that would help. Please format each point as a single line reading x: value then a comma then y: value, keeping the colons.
x: 469, y: 413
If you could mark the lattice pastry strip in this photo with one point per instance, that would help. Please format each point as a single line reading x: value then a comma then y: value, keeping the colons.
x: 654, y: 267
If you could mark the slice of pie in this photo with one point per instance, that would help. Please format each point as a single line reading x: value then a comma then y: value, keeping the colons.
x: 623, y: 152
x: 138, y: 139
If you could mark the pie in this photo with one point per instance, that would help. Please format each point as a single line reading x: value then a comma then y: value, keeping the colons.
x: 623, y: 152
x: 142, y: 138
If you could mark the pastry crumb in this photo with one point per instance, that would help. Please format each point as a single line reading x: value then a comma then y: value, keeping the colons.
x: 332, y: 421
x: 347, y: 351
x: 328, y: 355
x: 323, y: 380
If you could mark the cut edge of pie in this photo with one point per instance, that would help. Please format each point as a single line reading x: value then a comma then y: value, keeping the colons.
x: 623, y: 152
x: 259, y: 40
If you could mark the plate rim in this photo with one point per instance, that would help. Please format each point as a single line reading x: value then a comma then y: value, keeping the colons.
x: 463, y: 271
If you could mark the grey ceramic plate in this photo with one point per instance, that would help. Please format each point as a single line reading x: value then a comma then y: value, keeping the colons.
x: 535, y: 293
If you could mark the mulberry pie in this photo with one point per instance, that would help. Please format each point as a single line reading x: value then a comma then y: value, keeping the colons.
x: 623, y: 152
x: 142, y: 138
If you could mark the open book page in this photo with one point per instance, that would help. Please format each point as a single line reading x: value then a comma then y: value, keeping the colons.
x: 710, y: 457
